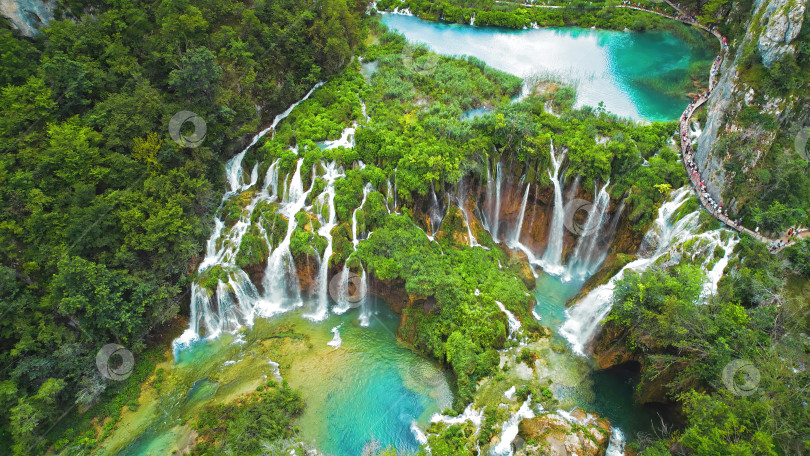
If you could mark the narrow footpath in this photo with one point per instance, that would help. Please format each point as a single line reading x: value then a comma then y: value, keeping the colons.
x: 688, y: 154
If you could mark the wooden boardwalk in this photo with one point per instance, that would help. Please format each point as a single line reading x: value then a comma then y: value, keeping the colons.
x: 686, y: 150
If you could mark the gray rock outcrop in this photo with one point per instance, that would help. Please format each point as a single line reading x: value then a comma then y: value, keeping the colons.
x: 27, y: 15
x: 782, y: 21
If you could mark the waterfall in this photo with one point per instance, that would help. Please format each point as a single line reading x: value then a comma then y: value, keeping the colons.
x: 583, y: 319
x: 233, y: 169
x: 395, y: 191
x: 514, y: 323
x: 280, y: 279
x: 488, y: 200
x: 238, y: 299
x: 271, y: 180
x: 473, y: 241
x: 326, y: 198
x: 366, y: 190
x: 581, y: 265
x: 461, y: 199
x: 211, y: 245
x: 519, y: 226
x: 572, y: 192
x: 616, y: 443
x: 365, y: 306
x: 605, y: 240
x: 509, y: 429
x: 497, y: 212
x: 420, y: 436
x: 716, y: 273
x: 389, y: 200
x: 552, y: 257
x: 435, y: 212
x: 343, y: 304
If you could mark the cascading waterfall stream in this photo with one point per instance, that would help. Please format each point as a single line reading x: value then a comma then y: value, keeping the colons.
x: 512, y: 321
x: 237, y: 300
x: 435, y: 213
x: 488, y: 201
x: 461, y: 198
x: 552, y: 257
x: 616, y: 443
x: 365, y: 305
x: 581, y: 264
x: 366, y: 190
x: 510, y: 429
x: 327, y: 199
x: 714, y: 275
x: 583, y: 319
x: 519, y: 226
x: 603, y: 246
x: 280, y: 279
x: 497, y: 211
x: 343, y: 303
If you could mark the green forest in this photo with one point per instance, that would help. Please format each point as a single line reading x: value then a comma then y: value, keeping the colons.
x: 105, y: 217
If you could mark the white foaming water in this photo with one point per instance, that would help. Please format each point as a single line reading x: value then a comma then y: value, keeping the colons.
x: 496, y: 214
x: 519, y: 226
x: 238, y: 299
x: 346, y: 138
x: 276, y: 369
x: 461, y: 199
x: 473, y: 241
x: 327, y: 200
x: 418, y: 434
x: 336, y: 340
x: 509, y: 429
x: 582, y: 263
x: 280, y: 279
x: 716, y: 273
x: 616, y: 445
x: 514, y: 323
x: 470, y: 414
x: 583, y: 319
x: 366, y: 190
x: 552, y: 257
x: 510, y: 393
x: 365, y: 305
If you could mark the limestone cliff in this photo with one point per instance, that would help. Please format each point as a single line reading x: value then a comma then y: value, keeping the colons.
x: 27, y: 15
x: 743, y: 107
x: 782, y: 21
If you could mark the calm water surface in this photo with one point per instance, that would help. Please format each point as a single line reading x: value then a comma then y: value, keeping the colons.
x: 626, y: 70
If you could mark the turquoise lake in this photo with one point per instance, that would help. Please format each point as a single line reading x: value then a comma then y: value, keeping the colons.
x: 628, y: 71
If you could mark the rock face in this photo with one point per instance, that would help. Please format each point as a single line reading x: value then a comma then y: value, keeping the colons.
x: 773, y: 28
x: 784, y: 21
x: 552, y: 434
x: 27, y: 15
x: 657, y: 367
